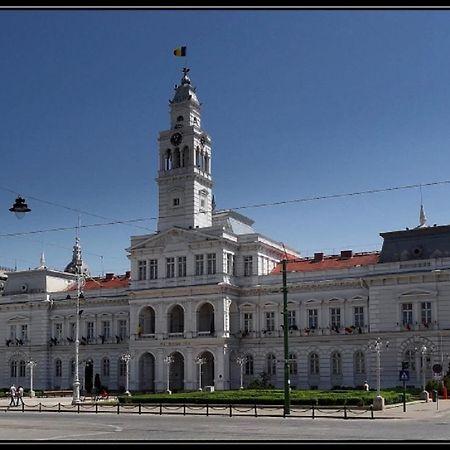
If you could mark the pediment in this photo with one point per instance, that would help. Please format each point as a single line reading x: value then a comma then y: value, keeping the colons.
x: 175, y: 235
x: 17, y: 319
x: 416, y: 293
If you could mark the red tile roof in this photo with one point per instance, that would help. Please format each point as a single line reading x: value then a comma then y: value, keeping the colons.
x: 110, y: 281
x: 334, y: 262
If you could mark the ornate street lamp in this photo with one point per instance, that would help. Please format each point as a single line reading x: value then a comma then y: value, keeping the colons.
x: 377, y: 346
x: 79, y: 274
x: 200, y: 361
x: 20, y: 208
x: 168, y: 360
x: 31, y: 364
x: 126, y: 358
x: 241, y: 360
x: 424, y: 350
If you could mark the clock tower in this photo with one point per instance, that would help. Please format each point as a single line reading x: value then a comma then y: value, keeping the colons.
x: 184, y: 177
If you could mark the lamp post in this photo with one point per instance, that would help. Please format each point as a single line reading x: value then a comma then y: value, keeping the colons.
x: 377, y: 346
x: 78, y: 271
x: 31, y: 364
x: 423, y: 349
x: 287, y: 381
x: 126, y: 358
x: 168, y: 360
x: 200, y: 361
x: 241, y: 360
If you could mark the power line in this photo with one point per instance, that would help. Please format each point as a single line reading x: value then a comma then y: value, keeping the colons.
x: 256, y: 205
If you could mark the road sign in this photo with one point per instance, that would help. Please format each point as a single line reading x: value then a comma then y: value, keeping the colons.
x: 437, y: 368
x: 404, y: 375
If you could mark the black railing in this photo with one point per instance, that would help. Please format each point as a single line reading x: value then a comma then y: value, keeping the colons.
x: 207, y: 409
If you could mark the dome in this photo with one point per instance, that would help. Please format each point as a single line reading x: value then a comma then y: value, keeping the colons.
x: 72, y: 266
x: 185, y: 91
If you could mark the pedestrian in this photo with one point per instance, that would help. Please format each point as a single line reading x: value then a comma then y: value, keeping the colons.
x: 19, y: 395
x: 12, y: 393
x: 366, y: 386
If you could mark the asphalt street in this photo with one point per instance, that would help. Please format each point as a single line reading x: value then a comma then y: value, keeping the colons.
x: 421, y: 422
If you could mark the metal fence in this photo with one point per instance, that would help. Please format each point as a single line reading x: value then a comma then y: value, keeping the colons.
x: 206, y: 409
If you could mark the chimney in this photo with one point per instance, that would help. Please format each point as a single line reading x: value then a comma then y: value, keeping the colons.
x: 109, y: 275
x: 318, y: 257
x: 346, y: 254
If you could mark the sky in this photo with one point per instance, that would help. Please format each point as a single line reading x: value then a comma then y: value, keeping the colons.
x: 301, y: 105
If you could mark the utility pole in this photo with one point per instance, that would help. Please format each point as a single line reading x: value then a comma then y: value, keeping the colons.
x: 287, y: 381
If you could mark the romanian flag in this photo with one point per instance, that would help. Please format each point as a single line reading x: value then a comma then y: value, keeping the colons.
x: 180, y: 51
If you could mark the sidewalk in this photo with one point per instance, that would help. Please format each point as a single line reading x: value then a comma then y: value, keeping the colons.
x: 416, y: 410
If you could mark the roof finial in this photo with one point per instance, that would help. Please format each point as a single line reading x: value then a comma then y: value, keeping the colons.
x: 42, y: 261
x: 185, y: 79
x: 422, y: 216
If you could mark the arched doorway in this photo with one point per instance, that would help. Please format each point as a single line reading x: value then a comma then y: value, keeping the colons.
x: 147, y: 372
x: 207, y: 369
x: 89, y: 376
x: 176, y: 374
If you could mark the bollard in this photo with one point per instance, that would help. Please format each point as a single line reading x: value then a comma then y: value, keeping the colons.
x: 139, y: 408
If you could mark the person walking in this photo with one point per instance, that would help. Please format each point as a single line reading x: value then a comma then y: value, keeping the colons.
x: 19, y: 395
x: 12, y: 393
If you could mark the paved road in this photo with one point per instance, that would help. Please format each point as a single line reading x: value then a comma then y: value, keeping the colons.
x: 422, y: 421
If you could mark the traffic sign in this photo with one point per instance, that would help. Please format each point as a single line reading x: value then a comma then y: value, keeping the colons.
x: 404, y: 375
x: 437, y: 368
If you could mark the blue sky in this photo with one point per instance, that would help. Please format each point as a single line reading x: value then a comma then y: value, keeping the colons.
x: 299, y: 104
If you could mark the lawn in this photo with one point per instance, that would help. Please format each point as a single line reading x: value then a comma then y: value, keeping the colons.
x: 275, y: 397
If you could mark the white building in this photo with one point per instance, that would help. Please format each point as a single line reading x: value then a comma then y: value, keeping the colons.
x: 206, y: 290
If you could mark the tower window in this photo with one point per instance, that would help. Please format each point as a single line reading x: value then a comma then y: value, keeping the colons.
x: 176, y: 202
x: 180, y: 119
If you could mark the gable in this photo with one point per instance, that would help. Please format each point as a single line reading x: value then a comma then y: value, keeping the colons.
x: 173, y: 237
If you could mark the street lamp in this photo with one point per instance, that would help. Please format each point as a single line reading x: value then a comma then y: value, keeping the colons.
x: 31, y: 364
x: 200, y: 362
x: 20, y: 208
x: 126, y: 358
x: 78, y: 271
x: 241, y: 360
x: 168, y: 360
x: 423, y: 352
x: 287, y: 381
x: 377, y: 346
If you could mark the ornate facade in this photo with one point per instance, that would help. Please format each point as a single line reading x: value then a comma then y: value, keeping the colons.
x: 202, y: 305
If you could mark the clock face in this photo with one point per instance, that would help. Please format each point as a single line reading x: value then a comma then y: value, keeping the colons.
x: 176, y: 139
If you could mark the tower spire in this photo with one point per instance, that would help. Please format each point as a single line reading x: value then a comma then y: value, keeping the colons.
x: 422, y: 216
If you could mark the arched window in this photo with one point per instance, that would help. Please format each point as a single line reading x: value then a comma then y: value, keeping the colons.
x: 314, y: 368
x: 180, y: 119
x: 58, y: 368
x: 176, y: 320
x: 122, y: 367
x: 359, y: 363
x: 146, y: 321
x: 22, y: 368
x: 336, y: 364
x: 271, y: 364
x: 249, y: 365
x: 13, y: 368
x: 105, y: 367
x: 292, y: 363
x: 410, y: 358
